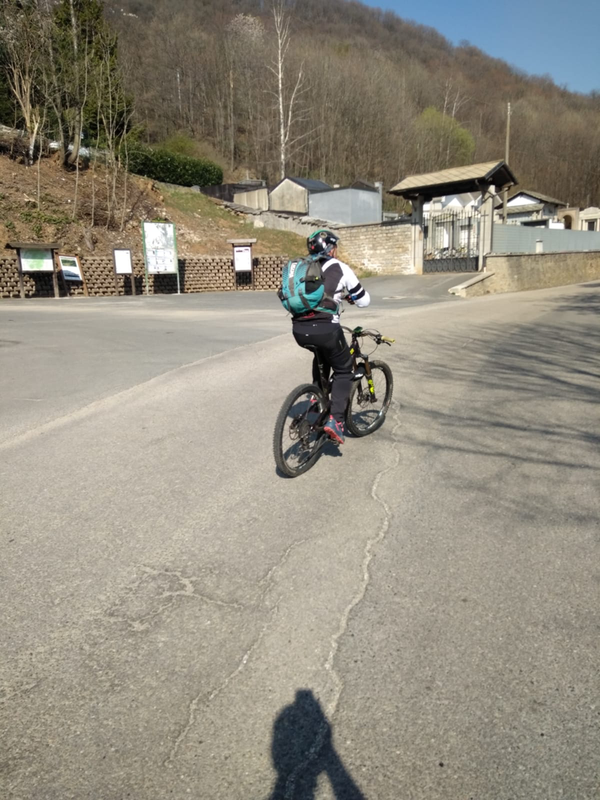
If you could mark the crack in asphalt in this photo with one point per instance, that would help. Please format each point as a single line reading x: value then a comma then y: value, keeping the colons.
x: 358, y: 597
x: 6, y: 694
x: 268, y: 578
x: 203, y: 699
x: 187, y: 590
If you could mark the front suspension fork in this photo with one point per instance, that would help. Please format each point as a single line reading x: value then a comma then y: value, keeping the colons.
x: 369, y: 377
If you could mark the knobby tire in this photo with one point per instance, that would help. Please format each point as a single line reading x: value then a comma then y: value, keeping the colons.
x: 360, y: 411
x: 285, y: 429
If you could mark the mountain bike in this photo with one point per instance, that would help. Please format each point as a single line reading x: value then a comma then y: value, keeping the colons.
x: 299, y: 436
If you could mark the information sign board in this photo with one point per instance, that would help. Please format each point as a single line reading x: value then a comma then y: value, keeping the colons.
x: 71, y: 268
x: 122, y: 259
x: 160, y: 250
x: 36, y: 260
x: 242, y: 259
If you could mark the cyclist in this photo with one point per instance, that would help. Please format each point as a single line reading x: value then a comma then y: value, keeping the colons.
x: 323, y: 330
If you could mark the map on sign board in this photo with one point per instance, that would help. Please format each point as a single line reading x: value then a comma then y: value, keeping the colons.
x: 36, y: 260
x: 159, y: 247
x: 71, y: 268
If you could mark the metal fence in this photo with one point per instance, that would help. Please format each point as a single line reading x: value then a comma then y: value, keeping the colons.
x: 451, y: 242
x: 525, y: 239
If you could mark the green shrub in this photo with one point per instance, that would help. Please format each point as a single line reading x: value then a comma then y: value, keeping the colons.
x: 167, y: 167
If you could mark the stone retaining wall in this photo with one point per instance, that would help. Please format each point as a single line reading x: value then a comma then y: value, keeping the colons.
x: 515, y: 273
x: 379, y: 247
x: 197, y: 274
x: 384, y: 248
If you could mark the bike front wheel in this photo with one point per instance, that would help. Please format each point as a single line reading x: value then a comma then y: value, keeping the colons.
x: 368, y: 403
x: 298, y: 435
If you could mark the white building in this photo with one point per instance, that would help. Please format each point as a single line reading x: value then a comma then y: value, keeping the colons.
x: 530, y: 208
x: 589, y: 219
x: 469, y: 201
x: 291, y: 195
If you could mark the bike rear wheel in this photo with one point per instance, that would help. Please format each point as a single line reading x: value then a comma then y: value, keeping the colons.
x: 367, y: 409
x: 298, y: 437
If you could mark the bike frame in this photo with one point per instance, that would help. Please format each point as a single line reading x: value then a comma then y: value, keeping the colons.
x: 301, y: 428
x: 356, y: 353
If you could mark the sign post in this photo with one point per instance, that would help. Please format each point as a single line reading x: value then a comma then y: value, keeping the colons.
x: 35, y: 257
x: 71, y: 270
x: 242, y: 256
x: 160, y: 250
x: 123, y: 266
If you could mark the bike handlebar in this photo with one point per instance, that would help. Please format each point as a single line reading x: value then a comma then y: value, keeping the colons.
x: 372, y: 334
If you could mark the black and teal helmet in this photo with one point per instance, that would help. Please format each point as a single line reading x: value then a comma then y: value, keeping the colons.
x: 321, y: 243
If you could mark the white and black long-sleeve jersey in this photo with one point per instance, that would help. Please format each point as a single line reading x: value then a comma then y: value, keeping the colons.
x: 339, y: 281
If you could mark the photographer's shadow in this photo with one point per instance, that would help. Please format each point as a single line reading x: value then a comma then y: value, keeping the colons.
x: 302, y: 749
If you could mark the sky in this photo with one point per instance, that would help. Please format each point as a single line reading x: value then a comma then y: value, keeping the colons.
x: 553, y: 37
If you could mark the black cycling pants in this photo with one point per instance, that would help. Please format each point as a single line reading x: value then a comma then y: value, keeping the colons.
x: 335, y: 353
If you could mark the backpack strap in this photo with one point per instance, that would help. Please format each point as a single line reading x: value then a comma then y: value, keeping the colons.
x: 328, y: 296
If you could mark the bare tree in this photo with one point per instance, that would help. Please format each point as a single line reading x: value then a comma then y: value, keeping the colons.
x: 245, y: 48
x: 287, y: 101
x: 20, y: 35
x: 195, y: 70
x: 113, y: 118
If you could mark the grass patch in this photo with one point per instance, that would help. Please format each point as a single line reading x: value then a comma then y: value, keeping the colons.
x: 194, y: 203
x: 280, y: 242
x: 40, y: 217
x: 200, y: 209
x: 37, y: 219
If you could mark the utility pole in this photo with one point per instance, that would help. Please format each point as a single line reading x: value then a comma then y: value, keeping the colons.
x: 506, y: 154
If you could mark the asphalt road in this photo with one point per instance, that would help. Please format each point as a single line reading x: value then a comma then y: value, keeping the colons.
x: 77, y: 351
x: 414, y: 618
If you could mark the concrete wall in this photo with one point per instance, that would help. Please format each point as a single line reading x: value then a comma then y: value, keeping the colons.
x: 303, y: 226
x: 289, y: 196
x: 515, y: 273
x: 346, y: 206
x: 257, y: 198
x: 197, y: 274
x: 384, y: 248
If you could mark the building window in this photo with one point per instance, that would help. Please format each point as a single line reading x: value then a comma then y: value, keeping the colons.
x: 591, y: 225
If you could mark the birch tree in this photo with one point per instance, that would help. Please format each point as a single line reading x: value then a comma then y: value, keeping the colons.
x: 287, y: 101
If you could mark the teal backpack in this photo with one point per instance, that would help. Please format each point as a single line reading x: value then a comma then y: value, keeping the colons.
x: 303, y: 287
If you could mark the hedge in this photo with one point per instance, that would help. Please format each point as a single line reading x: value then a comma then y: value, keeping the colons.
x: 161, y: 165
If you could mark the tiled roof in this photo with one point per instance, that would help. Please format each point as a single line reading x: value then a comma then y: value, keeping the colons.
x: 459, y: 177
x: 309, y: 184
x: 524, y: 208
x: 542, y: 197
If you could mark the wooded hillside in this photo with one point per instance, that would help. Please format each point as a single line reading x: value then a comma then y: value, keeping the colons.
x: 335, y: 90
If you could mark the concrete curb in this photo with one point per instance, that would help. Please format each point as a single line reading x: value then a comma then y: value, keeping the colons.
x: 461, y: 289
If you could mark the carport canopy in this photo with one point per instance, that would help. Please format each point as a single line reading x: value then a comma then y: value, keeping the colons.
x: 458, y: 180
